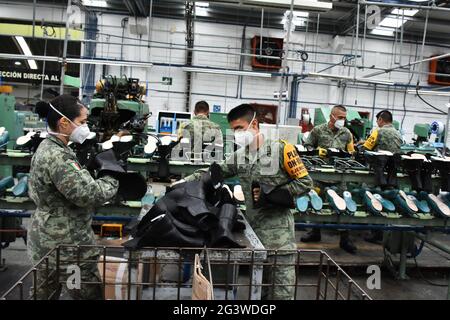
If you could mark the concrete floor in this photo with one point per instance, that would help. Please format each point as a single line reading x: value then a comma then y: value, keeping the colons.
x: 434, y: 266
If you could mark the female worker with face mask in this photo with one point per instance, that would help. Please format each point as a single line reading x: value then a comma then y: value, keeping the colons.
x: 65, y: 195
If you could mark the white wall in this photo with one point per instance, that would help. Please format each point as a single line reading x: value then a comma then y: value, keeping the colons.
x: 222, y: 89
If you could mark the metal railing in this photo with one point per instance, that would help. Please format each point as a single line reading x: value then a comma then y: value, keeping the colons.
x: 166, y: 273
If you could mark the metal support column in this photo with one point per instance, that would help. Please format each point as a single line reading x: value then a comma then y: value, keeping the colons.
x: 89, y: 52
x: 284, y: 68
x: 404, y: 250
x: 66, y: 40
x: 189, y: 12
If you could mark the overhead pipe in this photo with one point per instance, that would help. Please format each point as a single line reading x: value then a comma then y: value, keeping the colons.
x: 285, y: 100
x: 442, y: 56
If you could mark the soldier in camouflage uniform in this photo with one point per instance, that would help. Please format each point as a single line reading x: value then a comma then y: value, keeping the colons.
x: 275, y: 163
x: 200, y: 129
x: 385, y: 137
x: 65, y: 195
x: 332, y: 134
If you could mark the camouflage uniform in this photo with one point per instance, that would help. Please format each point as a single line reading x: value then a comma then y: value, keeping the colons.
x: 324, y: 137
x: 65, y: 196
x: 384, y: 138
x: 200, y: 130
x: 274, y: 226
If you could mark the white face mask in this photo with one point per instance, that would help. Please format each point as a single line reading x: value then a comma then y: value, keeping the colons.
x: 79, y: 134
x: 244, y: 137
x: 338, y: 123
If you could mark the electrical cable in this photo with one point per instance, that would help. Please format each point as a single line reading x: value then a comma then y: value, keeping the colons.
x: 425, y: 279
x: 426, y: 102
x: 406, y: 88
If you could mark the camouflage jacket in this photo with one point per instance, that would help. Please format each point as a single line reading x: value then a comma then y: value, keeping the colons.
x: 384, y: 138
x: 201, y: 129
x: 65, y: 195
x: 322, y: 136
x: 275, y: 163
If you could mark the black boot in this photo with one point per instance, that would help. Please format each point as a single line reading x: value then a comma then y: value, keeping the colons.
x: 378, y: 162
x: 391, y: 170
x: 313, y: 235
x: 376, y: 236
x: 222, y: 236
x: 444, y: 173
x: 346, y: 243
x: 413, y: 167
x: 425, y: 175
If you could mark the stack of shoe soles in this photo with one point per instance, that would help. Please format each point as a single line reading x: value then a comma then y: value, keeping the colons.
x: 405, y: 204
x: 21, y: 188
x: 384, y: 165
x: 341, y: 205
x: 309, y: 200
x: 6, y: 183
x: 439, y: 206
x: 376, y: 204
x: 419, y: 169
x: 192, y: 214
x: 442, y: 164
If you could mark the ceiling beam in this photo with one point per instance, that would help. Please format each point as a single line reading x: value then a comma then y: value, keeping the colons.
x: 141, y: 8
x: 130, y: 7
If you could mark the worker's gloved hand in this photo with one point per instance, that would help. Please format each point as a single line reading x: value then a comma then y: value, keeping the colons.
x: 132, y: 185
x: 270, y: 196
x: 106, y: 163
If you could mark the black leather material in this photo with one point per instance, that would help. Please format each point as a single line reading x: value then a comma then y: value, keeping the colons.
x: 391, y: 168
x: 162, y: 233
x: 425, y: 176
x: 413, y: 168
x: 378, y: 163
x: 278, y: 196
x: 106, y: 163
x: 132, y: 185
x: 222, y: 235
x: 444, y: 173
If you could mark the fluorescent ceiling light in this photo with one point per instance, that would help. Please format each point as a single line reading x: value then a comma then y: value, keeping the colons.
x: 26, y: 51
x: 394, y: 20
x: 202, y: 4
x: 430, y: 93
x: 201, y: 8
x: 382, y: 32
x: 200, y: 11
x: 406, y: 12
x: 298, y: 18
x: 95, y: 3
x: 228, y: 72
x: 286, y: 4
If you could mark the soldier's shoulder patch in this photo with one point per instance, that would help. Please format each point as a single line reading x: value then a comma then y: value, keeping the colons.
x: 73, y: 165
x: 292, y: 162
x: 372, y: 140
